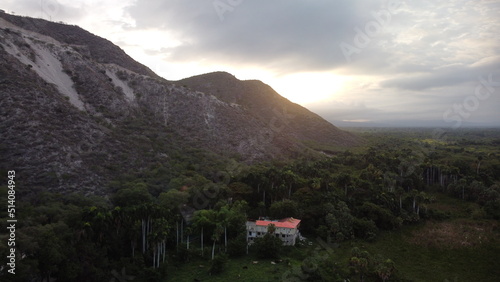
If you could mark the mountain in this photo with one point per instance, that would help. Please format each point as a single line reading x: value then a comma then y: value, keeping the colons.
x: 266, y: 105
x: 76, y: 111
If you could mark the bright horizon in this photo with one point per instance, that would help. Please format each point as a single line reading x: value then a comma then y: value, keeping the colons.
x: 389, y: 62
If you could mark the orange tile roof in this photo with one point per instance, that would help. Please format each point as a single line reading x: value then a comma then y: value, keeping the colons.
x: 288, y: 222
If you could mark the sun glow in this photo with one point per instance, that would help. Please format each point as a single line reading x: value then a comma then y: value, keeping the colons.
x: 307, y: 88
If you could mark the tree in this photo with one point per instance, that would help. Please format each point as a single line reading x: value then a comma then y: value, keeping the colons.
x: 132, y: 196
x: 360, y: 262
x: 216, y: 237
x: 479, y: 159
x: 344, y: 180
x: 50, y: 253
x: 372, y: 174
x: 492, y: 208
x: 285, y: 208
x: 385, y: 269
x: 382, y: 217
x: 223, y: 216
x: 237, y: 246
x: 202, y: 221
x: 273, y: 178
x: 213, y: 220
x: 173, y: 199
x: 157, y: 238
x: 364, y: 229
x: 400, y: 193
x: 315, y: 183
x: 257, y: 178
x: 290, y: 178
x: 339, y: 221
x: 218, y: 264
x: 239, y: 190
x: 269, y: 245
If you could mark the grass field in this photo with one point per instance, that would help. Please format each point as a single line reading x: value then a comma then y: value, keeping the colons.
x: 457, y: 249
x: 237, y: 269
x: 420, y: 262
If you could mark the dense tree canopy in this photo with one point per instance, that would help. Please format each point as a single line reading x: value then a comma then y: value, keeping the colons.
x: 199, y: 209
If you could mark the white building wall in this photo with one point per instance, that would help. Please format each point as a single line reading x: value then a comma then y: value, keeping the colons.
x: 255, y: 231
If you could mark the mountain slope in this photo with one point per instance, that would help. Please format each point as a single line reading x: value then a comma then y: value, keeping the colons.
x: 95, y: 47
x: 73, y: 116
x: 265, y: 104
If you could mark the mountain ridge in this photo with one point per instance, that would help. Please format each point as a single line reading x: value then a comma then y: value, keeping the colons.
x: 266, y: 104
x: 77, y: 116
x: 98, y: 48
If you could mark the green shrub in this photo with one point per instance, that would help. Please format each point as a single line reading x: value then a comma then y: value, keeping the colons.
x: 268, y: 246
x: 492, y: 208
x: 382, y: 217
x: 435, y: 214
x: 218, y: 264
x: 365, y: 229
x: 238, y: 246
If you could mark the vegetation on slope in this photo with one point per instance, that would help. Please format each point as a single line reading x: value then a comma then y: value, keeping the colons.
x: 397, y: 210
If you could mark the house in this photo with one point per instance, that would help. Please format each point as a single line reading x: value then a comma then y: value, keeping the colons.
x: 287, y: 229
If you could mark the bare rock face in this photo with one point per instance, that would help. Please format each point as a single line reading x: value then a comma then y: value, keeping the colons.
x: 75, y: 111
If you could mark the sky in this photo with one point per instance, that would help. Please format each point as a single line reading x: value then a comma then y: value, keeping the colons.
x: 354, y: 62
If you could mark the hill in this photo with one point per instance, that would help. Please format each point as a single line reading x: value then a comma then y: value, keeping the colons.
x: 76, y: 111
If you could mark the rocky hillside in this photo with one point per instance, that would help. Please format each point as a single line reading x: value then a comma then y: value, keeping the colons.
x: 264, y: 104
x: 75, y: 111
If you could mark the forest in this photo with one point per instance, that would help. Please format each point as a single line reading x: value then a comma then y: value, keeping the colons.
x: 407, y: 205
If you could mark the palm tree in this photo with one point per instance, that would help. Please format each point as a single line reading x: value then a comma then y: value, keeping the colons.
x: 133, y: 231
x: 202, y: 221
x: 290, y: 178
x: 216, y: 237
x: 273, y: 178
x: 400, y: 192
x: 158, y: 239
x: 479, y: 159
x: 316, y: 183
x: 99, y: 222
x: 344, y: 180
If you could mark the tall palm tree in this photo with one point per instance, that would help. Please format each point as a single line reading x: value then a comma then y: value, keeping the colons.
x: 289, y: 178
x: 479, y: 159
x: 216, y: 237
x: 203, y: 220
x: 344, y: 180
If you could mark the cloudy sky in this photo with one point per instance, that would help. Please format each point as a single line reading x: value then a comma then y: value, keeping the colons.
x: 380, y: 62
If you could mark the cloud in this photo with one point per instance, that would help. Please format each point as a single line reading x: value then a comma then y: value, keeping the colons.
x: 418, y: 108
x: 46, y: 9
x: 421, y: 58
x: 298, y: 36
x: 288, y: 36
x: 445, y: 76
